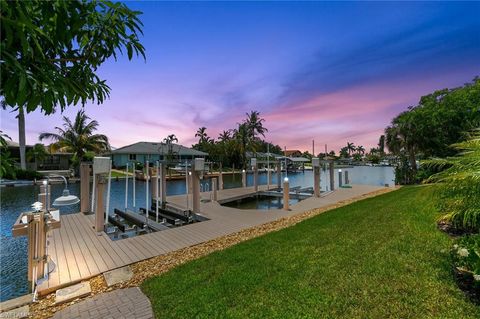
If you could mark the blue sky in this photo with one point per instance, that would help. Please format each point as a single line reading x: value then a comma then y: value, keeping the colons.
x: 329, y: 71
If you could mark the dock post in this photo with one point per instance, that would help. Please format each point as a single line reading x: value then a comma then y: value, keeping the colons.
x: 190, y: 183
x: 347, y: 180
x: 244, y: 178
x: 164, y: 184
x: 31, y: 245
x: 196, y: 190
x: 316, y: 176
x: 99, y: 208
x: 255, y: 174
x: 153, y: 185
x: 44, y: 196
x: 41, y: 241
x: 214, y: 188
x: 340, y: 179
x: 332, y: 176
x: 220, y: 178
x: 279, y: 175
x: 286, y: 194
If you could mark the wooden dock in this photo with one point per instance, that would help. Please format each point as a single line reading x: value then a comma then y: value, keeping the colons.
x: 79, y: 253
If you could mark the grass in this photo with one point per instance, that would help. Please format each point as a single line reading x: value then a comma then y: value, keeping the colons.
x: 378, y: 258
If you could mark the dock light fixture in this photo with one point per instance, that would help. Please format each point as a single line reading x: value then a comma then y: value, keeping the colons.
x: 285, y: 179
x: 66, y: 199
x: 339, y: 170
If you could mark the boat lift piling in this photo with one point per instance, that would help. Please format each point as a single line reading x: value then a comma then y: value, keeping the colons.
x: 255, y: 174
x: 85, y: 188
x: 126, y: 187
x: 146, y: 190
x: 316, y: 176
x: 156, y: 190
x: 134, y: 164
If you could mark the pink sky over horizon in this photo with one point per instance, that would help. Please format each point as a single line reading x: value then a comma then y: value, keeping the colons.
x: 329, y: 72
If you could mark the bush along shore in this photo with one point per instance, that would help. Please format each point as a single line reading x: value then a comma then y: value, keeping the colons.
x: 457, y: 189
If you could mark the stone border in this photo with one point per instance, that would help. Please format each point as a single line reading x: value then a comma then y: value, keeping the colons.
x: 157, y: 265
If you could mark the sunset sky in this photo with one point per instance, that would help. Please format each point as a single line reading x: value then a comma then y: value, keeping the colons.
x: 332, y: 72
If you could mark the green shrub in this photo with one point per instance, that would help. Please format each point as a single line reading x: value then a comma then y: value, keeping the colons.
x: 466, y: 258
x: 27, y: 174
x: 7, y: 164
x: 458, y: 185
x: 139, y: 166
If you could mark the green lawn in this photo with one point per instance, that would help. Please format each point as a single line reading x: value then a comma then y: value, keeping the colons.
x: 378, y: 258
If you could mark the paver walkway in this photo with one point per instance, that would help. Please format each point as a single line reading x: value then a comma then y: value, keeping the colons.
x: 117, y: 304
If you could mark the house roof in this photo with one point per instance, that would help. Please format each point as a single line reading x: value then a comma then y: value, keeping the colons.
x: 261, y: 154
x: 157, y: 148
x: 291, y: 152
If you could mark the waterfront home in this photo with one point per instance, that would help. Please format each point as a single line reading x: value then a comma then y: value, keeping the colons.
x: 51, y: 161
x: 153, y: 151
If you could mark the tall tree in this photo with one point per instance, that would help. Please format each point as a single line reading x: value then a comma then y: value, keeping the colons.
x: 242, y: 138
x: 202, y: 135
x: 169, y: 141
x: 224, y: 136
x: 350, y: 148
x: 381, y: 144
x: 51, y: 51
x: 255, y: 124
x: 78, y: 137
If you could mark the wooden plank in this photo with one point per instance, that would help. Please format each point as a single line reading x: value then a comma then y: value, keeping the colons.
x: 196, y: 231
x: 61, y: 263
x: 165, y: 241
x: 108, y: 255
x: 72, y: 251
x: 129, y: 249
x: 68, y: 255
x: 124, y: 255
x: 142, y: 250
x: 151, y: 242
x: 82, y: 247
x: 189, y: 236
x: 94, y: 253
x: 152, y: 237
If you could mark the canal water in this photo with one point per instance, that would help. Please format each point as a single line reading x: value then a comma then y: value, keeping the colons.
x: 14, y: 200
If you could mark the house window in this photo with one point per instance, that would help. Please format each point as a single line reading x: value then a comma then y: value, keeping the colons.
x: 132, y: 157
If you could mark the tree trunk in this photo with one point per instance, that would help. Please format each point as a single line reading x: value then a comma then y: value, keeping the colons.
x: 411, y: 158
x: 21, y: 137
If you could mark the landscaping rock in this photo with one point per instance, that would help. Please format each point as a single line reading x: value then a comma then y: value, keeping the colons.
x: 117, y: 276
x: 73, y: 292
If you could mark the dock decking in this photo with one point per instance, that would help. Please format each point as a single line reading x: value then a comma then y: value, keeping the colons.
x: 79, y: 253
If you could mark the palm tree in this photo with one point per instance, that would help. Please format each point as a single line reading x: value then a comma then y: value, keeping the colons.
x: 401, y: 139
x: 224, y: 136
x: 37, y: 153
x: 202, y: 135
x: 3, y: 139
x: 21, y: 133
x: 242, y: 139
x: 381, y: 144
x: 344, y: 152
x: 170, y: 139
x: 78, y: 137
x: 255, y: 124
x: 360, y: 149
x: 350, y: 148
